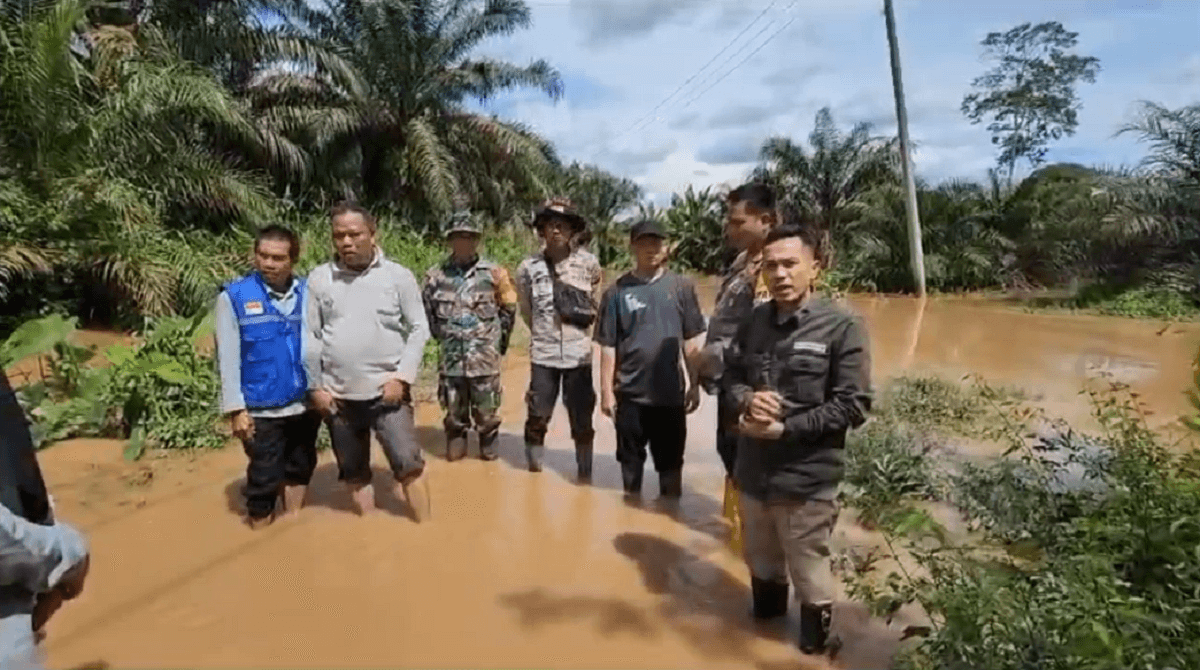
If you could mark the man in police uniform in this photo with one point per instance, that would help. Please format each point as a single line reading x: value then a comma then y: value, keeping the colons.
x: 471, y: 305
x: 751, y: 214
x: 559, y: 288
x: 264, y: 387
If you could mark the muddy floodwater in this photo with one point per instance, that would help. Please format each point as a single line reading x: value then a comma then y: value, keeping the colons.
x: 517, y: 569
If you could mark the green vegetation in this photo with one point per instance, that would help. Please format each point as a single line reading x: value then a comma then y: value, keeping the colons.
x: 158, y: 392
x: 1084, y: 551
x: 142, y: 143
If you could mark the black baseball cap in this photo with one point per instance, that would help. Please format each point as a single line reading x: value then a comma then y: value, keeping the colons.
x: 647, y: 227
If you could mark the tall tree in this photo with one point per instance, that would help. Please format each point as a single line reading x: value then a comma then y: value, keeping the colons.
x: 107, y: 151
x: 827, y: 179
x: 396, y: 129
x: 1030, y: 93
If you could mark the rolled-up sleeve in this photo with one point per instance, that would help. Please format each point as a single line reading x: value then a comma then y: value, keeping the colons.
x: 412, y: 306
x: 851, y: 395
x: 229, y: 354
x: 36, y: 557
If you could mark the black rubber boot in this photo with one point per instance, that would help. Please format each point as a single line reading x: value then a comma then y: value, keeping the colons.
x: 489, y: 433
x: 815, y: 622
x: 583, y: 459
x: 456, y: 448
x: 670, y: 484
x: 533, y: 454
x: 770, y: 598
x: 631, y: 477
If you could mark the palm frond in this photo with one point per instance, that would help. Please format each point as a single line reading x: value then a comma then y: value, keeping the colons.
x: 429, y: 159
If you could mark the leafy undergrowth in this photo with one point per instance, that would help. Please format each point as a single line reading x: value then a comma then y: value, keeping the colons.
x: 1092, y: 550
x: 1167, y: 298
x: 157, y: 393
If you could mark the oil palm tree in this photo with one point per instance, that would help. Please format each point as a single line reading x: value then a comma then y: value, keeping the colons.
x: 696, y: 220
x: 962, y: 248
x: 396, y: 128
x: 1163, y: 196
x: 827, y: 180
x: 110, y: 150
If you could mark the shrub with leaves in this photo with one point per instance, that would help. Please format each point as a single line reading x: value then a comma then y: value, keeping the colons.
x: 162, y: 392
x: 159, y: 392
x: 1097, y: 577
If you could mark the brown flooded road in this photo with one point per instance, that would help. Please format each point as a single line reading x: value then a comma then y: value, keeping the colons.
x: 517, y: 569
x: 1053, y: 355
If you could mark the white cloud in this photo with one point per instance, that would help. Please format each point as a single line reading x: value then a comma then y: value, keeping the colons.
x: 833, y: 53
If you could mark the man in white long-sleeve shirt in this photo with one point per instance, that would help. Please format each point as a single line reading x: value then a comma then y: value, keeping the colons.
x: 365, y: 336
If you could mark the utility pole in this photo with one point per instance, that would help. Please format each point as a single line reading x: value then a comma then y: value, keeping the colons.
x: 916, y: 252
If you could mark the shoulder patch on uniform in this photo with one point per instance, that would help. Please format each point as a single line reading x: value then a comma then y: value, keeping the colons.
x: 254, y: 307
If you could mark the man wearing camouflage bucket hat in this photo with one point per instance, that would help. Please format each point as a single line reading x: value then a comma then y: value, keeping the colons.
x: 471, y: 305
x: 559, y: 288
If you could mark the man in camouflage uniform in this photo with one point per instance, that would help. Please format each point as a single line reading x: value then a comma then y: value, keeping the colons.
x: 559, y: 289
x: 471, y: 305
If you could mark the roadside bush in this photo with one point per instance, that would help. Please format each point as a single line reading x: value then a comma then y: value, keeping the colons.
x: 1102, y: 576
x: 158, y: 393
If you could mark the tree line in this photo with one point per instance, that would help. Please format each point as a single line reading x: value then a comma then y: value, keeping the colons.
x: 142, y: 140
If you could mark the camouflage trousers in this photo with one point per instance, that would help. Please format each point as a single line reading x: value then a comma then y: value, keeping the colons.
x: 471, y: 398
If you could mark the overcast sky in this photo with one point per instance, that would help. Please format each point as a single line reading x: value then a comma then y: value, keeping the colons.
x: 620, y: 59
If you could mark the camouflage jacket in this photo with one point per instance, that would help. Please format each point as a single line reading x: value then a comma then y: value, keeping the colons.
x: 471, y: 312
x: 742, y: 288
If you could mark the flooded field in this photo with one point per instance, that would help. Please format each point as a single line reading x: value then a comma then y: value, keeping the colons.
x: 517, y: 569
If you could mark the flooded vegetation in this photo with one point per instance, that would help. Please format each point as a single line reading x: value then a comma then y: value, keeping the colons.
x: 1024, y: 495
x: 529, y: 569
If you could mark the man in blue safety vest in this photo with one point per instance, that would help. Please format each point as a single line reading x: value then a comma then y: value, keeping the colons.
x: 264, y: 387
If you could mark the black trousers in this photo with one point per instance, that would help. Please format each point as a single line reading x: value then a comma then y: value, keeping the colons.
x: 664, y: 428
x: 282, y: 452
x: 579, y: 397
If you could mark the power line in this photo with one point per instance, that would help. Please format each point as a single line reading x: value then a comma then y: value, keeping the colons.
x: 747, y: 45
x: 761, y: 46
x: 697, y: 72
x: 640, y: 123
x: 743, y: 61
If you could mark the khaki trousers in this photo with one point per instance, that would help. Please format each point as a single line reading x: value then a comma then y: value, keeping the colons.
x: 791, y: 539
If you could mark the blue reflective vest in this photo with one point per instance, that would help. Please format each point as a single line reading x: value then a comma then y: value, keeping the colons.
x: 272, y: 367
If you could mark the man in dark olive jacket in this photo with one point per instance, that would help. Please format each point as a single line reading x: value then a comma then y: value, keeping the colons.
x: 799, y: 372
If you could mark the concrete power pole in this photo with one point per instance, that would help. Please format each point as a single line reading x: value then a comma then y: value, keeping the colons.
x: 916, y: 252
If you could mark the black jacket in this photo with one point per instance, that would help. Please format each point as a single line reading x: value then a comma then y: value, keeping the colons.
x: 818, y: 360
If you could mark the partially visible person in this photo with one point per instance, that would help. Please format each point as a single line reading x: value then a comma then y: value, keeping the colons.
x: 558, y: 288
x: 750, y: 215
x: 264, y: 386
x: 43, y: 562
x: 649, y: 321
x: 799, y: 372
x: 471, y: 306
x: 366, y: 335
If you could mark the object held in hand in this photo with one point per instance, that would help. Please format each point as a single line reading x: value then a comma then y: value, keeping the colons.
x: 762, y: 430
